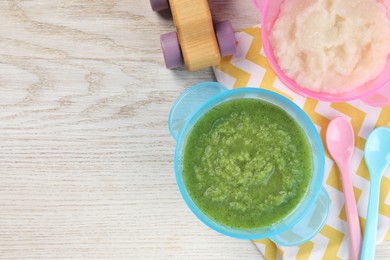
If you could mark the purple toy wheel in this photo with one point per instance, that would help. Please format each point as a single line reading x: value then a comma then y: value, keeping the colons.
x: 159, y: 5
x: 171, y: 50
x: 225, y: 37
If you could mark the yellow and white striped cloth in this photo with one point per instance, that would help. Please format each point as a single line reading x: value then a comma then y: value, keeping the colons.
x: 249, y: 67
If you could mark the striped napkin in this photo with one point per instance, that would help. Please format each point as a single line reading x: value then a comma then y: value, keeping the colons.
x: 249, y: 67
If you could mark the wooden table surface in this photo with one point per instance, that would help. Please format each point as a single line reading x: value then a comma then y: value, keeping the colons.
x: 86, y: 159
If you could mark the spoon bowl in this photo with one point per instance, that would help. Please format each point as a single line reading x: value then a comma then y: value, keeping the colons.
x: 340, y: 140
x: 377, y: 151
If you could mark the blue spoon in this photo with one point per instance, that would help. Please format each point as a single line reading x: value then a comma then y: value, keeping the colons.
x: 377, y: 156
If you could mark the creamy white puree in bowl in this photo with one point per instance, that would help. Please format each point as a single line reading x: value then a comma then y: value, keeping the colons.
x: 331, y: 46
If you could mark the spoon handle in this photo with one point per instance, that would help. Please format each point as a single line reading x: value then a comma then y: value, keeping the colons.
x: 368, y: 250
x: 354, y: 231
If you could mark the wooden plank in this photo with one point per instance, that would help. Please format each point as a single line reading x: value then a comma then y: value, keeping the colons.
x: 86, y: 159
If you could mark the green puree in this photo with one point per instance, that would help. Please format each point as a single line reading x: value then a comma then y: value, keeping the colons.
x: 247, y: 164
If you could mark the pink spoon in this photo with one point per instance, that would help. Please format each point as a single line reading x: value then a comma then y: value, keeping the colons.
x: 340, y: 141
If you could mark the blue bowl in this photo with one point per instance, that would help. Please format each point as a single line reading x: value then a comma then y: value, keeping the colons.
x: 293, y: 229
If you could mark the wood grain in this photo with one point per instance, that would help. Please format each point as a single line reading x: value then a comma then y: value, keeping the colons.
x: 86, y: 159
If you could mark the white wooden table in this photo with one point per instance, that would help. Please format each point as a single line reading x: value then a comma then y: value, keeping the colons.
x: 86, y: 159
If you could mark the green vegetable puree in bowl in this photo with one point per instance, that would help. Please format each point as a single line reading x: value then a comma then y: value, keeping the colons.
x: 247, y: 164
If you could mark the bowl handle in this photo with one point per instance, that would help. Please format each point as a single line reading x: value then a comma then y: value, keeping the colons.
x: 259, y: 4
x: 188, y: 102
x: 380, y: 98
x: 312, y: 222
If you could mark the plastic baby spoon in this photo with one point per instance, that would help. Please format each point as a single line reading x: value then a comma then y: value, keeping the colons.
x: 377, y: 155
x: 340, y: 141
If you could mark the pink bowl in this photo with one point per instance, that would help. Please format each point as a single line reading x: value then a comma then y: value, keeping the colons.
x: 375, y: 92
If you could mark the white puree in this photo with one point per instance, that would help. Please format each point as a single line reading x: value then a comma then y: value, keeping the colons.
x: 331, y: 45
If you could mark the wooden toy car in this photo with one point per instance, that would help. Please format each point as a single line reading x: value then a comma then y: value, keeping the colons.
x: 197, y: 44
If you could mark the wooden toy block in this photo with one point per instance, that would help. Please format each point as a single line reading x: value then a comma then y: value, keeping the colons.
x: 196, y: 34
x: 198, y: 42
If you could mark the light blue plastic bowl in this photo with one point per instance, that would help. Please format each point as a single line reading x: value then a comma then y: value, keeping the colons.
x: 309, y: 216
